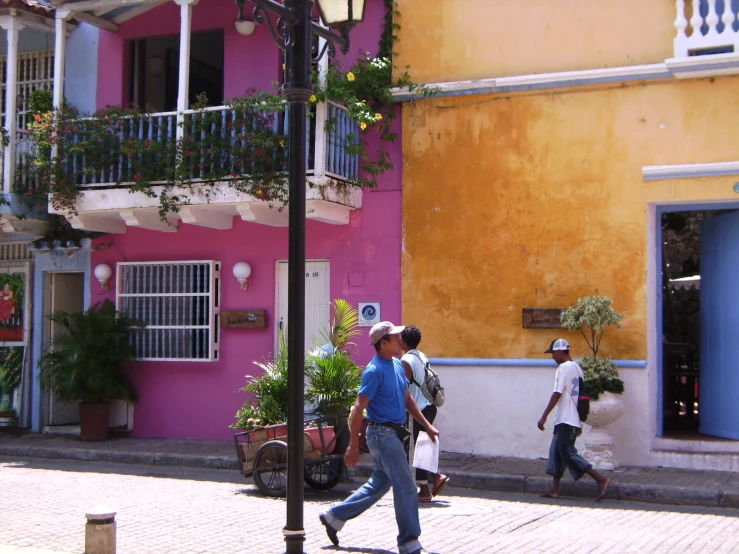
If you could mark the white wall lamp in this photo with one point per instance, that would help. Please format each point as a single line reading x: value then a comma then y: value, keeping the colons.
x: 242, y: 270
x: 103, y: 274
x: 243, y: 27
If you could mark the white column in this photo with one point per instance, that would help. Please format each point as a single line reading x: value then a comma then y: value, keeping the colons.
x: 11, y: 101
x: 321, y: 116
x: 184, y: 76
x: 60, y: 50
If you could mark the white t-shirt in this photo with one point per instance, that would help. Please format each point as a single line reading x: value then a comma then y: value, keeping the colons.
x: 419, y: 375
x: 567, y: 384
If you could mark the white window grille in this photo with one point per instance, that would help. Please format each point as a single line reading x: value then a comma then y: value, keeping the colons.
x: 35, y: 71
x: 178, y: 301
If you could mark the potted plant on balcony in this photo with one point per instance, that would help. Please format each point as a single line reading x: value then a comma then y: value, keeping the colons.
x: 85, y: 362
x: 591, y: 315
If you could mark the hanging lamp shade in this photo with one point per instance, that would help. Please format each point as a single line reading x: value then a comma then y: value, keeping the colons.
x: 340, y: 13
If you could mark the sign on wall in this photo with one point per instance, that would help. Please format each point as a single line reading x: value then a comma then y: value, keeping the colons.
x: 12, y: 307
x: 541, y: 318
x: 248, y: 319
x: 369, y: 313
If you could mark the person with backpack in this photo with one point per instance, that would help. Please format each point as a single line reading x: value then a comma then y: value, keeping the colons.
x: 422, y: 384
x: 567, y: 423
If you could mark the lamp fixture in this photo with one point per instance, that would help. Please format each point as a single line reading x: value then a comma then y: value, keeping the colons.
x: 243, y: 27
x: 242, y: 270
x: 103, y: 272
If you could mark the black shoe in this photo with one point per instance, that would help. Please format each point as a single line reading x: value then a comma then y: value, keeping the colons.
x: 330, y: 531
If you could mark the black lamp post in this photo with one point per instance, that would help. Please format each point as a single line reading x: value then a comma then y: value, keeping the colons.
x: 293, y: 33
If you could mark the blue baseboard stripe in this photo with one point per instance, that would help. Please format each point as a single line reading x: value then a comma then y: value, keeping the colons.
x: 521, y: 362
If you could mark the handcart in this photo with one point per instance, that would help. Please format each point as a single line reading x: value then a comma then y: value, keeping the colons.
x: 262, y: 454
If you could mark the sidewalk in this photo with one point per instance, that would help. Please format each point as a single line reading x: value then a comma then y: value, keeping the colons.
x: 656, y: 485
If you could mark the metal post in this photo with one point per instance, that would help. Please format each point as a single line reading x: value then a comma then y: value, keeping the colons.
x: 297, y: 89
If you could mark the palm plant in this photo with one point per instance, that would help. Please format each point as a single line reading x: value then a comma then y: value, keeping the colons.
x: 333, y: 382
x: 343, y: 326
x: 85, y: 361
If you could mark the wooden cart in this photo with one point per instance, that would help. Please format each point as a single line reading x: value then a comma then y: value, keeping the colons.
x: 262, y: 454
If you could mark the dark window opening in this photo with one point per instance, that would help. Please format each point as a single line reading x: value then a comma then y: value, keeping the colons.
x: 155, y: 70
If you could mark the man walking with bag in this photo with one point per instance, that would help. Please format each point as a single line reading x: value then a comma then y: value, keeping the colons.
x: 567, y: 425
x: 384, y: 393
x: 414, y: 364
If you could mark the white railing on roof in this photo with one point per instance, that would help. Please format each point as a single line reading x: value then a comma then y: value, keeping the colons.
x: 706, y: 27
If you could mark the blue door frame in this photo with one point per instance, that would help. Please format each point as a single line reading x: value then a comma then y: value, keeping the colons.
x: 662, y: 209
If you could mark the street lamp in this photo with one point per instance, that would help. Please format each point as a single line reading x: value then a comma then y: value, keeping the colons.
x: 293, y: 33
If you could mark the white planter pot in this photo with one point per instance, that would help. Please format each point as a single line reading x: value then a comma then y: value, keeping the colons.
x: 599, y: 443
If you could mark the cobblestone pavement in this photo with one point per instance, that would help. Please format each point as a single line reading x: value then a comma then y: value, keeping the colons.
x: 187, y: 510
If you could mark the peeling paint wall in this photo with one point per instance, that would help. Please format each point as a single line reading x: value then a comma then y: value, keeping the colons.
x: 536, y: 200
x: 450, y: 40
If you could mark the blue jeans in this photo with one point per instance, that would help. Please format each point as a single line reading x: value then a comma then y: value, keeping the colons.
x: 562, y: 453
x: 390, y: 469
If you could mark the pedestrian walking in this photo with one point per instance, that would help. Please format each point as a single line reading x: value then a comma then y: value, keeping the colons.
x: 414, y: 363
x: 384, y: 393
x: 567, y: 424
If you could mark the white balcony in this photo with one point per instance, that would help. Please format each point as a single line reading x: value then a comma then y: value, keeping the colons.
x: 107, y: 204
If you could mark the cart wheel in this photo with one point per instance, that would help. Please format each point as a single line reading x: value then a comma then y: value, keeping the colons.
x: 323, y: 475
x: 270, y: 468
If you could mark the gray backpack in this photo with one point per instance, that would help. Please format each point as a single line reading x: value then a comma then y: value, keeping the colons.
x: 431, y: 387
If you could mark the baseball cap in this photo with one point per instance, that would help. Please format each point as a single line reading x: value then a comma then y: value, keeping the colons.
x: 557, y: 344
x: 383, y: 328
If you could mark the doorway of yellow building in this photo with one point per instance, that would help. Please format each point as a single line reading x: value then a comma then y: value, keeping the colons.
x: 699, y: 261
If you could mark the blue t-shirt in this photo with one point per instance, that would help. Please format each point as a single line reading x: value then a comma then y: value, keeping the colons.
x: 384, y: 383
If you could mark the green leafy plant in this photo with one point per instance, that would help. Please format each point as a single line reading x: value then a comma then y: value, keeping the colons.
x: 591, y: 315
x: 343, y: 327
x: 11, y: 365
x: 268, y: 405
x: 333, y: 382
x: 86, y: 359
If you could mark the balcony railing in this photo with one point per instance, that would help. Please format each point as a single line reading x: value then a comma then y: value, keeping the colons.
x: 706, y: 27
x: 113, y: 162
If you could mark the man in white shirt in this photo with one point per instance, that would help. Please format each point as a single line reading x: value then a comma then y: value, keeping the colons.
x: 567, y: 425
x: 414, y: 364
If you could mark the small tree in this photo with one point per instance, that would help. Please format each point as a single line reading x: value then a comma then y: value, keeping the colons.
x: 591, y: 315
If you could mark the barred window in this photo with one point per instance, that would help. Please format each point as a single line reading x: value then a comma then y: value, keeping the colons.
x: 178, y: 301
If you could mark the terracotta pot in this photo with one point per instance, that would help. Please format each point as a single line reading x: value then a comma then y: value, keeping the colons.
x: 94, y: 421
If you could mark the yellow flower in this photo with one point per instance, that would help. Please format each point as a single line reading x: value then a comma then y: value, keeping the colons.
x: 282, y: 143
x: 362, y: 125
x: 312, y: 98
x: 350, y: 76
x: 259, y: 193
x: 378, y: 116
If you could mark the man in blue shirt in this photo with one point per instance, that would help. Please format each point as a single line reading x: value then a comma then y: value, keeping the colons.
x: 384, y: 393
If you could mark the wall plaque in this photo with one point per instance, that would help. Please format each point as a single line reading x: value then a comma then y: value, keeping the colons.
x: 542, y: 318
x: 247, y: 319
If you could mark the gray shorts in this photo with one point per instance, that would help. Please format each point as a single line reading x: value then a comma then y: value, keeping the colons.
x: 563, y: 454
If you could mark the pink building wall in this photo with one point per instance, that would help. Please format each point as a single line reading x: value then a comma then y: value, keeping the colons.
x: 200, y: 399
x: 252, y: 62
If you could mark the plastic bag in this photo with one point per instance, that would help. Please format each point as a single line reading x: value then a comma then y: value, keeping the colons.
x: 426, y: 455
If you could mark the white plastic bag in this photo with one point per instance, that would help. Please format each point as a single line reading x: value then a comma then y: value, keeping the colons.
x: 426, y: 455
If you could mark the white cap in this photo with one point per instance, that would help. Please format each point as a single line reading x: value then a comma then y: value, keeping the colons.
x: 557, y: 344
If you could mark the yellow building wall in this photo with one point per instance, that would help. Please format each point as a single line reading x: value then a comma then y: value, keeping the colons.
x: 451, y: 40
x: 536, y: 200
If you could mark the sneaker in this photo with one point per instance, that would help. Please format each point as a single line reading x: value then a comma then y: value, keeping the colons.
x: 332, y: 533
x: 420, y: 551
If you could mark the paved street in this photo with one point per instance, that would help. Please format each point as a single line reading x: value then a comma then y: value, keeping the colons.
x: 185, y: 510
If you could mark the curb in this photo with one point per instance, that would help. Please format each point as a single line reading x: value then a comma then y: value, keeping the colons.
x: 713, y: 497
x: 635, y: 492
x: 140, y: 458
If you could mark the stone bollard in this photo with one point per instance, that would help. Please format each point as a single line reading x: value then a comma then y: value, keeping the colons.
x: 100, y: 531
